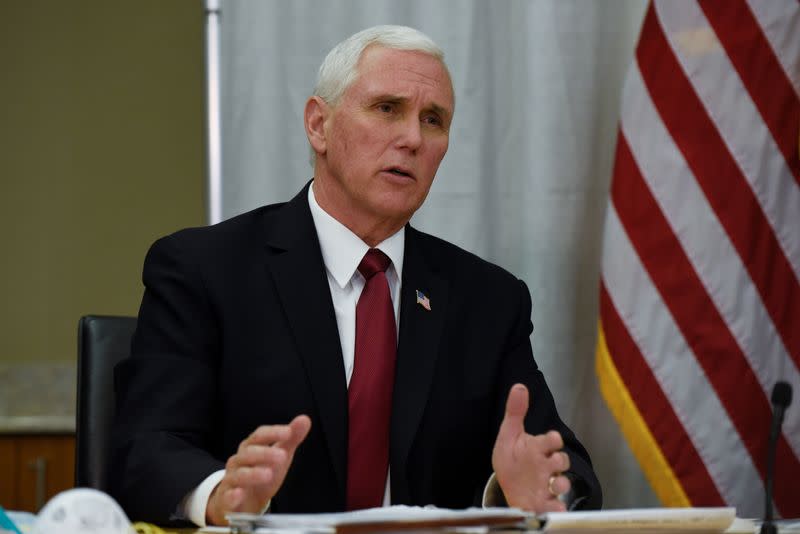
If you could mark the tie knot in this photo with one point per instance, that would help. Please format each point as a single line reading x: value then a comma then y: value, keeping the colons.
x: 374, y: 261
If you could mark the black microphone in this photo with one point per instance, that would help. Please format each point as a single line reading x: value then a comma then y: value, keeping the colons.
x: 781, y: 398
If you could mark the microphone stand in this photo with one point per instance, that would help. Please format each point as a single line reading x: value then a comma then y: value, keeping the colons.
x: 781, y: 398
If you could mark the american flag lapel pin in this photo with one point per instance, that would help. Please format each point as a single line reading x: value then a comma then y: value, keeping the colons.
x: 423, y: 300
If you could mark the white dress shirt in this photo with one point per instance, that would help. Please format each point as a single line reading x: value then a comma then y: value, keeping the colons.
x: 342, y: 251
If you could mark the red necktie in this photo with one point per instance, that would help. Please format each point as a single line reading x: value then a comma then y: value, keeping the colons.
x: 370, y: 391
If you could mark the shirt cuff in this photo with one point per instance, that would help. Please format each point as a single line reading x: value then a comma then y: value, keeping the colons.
x: 196, y: 502
x: 493, y: 494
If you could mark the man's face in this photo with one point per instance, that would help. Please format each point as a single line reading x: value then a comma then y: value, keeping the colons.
x: 387, y: 135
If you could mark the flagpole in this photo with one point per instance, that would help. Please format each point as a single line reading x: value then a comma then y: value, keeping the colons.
x: 213, y: 121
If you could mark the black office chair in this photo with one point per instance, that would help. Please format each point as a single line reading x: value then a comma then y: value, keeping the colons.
x: 103, y: 341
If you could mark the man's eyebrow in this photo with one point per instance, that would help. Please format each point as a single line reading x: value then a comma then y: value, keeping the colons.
x: 444, y: 112
x: 388, y: 98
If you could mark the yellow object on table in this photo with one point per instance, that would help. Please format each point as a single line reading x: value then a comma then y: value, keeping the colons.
x: 147, y: 528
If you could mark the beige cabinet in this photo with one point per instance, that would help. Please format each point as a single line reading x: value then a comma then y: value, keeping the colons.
x: 33, y: 468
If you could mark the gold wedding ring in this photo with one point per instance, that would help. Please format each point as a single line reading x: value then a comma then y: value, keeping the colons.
x: 550, y: 486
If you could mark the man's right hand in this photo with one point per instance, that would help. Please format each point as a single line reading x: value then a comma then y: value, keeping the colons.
x: 255, y: 473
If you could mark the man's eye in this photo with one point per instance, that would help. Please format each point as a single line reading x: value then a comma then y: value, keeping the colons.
x: 433, y: 120
x: 385, y: 108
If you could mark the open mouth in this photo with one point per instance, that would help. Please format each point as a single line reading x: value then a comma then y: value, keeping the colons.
x: 399, y: 172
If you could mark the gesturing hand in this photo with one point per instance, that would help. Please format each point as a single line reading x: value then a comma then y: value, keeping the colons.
x: 255, y: 473
x: 528, y: 468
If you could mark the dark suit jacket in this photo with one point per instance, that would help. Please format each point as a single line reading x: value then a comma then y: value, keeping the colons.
x: 237, y: 329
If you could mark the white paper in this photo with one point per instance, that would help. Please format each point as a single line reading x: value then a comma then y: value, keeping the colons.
x: 397, y: 515
x: 673, y: 519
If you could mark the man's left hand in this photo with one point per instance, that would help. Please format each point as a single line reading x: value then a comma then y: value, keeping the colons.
x: 529, y: 468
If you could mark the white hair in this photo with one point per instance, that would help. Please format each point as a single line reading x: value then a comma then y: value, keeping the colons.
x: 339, y: 69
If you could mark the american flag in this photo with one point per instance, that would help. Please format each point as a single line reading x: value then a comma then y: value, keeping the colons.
x: 700, y: 285
x: 423, y: 300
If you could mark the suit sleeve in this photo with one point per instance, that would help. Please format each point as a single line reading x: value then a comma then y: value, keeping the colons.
x: 520, y: 366
x: 167, y: 405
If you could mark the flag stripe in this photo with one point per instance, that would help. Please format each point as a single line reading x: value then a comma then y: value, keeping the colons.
x: 719, y: 87
x: 692, y: 220
x: 762, y: 74
x: 780, y: 22
x: 656, y: 410
x: 695, y: 315
x: 731, y: 198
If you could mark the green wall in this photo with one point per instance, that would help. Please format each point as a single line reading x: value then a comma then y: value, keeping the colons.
x: 101, y: 152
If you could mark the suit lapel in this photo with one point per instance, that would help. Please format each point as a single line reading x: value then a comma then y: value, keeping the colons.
x: 418, y: 347
x: 296, y: 265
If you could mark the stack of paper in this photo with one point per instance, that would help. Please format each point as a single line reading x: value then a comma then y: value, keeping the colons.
x: 391, y: 518
x: 410, y: 518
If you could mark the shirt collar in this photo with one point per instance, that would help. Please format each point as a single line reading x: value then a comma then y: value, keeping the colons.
x: 342, y: 250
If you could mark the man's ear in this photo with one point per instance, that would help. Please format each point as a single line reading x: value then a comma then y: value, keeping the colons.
x: 315, y: 116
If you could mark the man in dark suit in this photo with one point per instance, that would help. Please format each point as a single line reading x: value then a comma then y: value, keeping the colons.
x: 322, y: 354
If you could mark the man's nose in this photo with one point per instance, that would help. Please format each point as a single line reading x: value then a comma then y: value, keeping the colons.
x: 410, y: 133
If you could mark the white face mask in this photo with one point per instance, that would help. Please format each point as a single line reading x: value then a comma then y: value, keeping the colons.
x: 82, y: 511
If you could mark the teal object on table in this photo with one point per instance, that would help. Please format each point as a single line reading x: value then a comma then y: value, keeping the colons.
x: 6, y: 523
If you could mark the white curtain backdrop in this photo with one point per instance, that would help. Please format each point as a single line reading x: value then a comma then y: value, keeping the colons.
x: 525, y: 181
